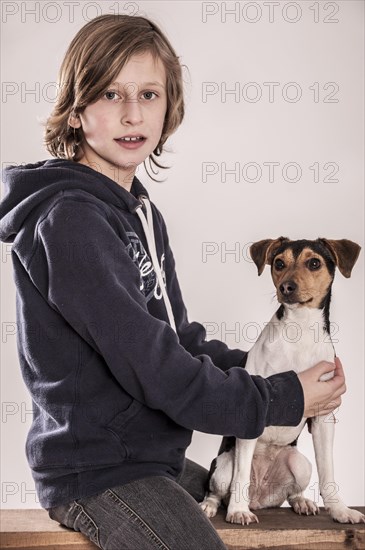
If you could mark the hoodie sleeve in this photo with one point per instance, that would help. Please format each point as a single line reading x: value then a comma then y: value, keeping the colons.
x: 94, y: 285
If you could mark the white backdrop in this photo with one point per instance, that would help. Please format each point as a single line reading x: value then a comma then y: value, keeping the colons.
x: 272, y: 144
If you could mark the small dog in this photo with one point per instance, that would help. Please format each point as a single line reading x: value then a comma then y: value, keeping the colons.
x: 264, y: 472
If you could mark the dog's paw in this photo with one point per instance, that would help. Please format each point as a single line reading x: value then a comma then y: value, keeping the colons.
x: 242, y: 517
x: 209, y: 507
x: 344, y: 514
x: 304, y: 506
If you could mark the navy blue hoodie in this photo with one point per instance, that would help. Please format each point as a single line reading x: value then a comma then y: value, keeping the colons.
x: 116, y: 392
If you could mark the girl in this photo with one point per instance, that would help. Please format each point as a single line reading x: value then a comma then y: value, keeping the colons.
x: 118, y: 376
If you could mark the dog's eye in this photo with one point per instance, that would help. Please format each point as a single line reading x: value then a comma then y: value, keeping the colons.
x: 279, y: 265
x: 314, y: 264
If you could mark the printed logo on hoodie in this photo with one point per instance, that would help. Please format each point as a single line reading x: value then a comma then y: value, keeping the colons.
x: 149, y: 283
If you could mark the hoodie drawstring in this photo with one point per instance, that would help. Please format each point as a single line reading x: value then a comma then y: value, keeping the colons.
x: 147, y: 225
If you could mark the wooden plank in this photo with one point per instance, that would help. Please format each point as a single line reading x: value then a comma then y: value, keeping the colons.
x: 282, y: 529
x: 34, y: 530
x: 279, y: 529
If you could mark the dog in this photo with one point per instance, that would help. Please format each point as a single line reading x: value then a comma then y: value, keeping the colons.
x: 262, y: 473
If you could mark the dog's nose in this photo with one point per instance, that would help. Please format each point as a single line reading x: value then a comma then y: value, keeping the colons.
x: 288, y: 288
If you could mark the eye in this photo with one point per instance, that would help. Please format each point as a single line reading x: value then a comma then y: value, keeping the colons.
x: 314, y: 263
x: 149, y: 95
x: 279, y: 265
x: 111, y: 96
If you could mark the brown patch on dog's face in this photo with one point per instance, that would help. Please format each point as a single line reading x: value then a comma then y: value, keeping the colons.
x: 304, y: 280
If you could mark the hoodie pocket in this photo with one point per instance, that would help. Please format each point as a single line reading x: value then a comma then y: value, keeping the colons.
x: 119, y: 424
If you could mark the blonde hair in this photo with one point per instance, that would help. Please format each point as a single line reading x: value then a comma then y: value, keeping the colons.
x: 93, y: 60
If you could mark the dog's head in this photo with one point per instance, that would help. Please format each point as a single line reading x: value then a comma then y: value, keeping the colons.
x: 303, y: 271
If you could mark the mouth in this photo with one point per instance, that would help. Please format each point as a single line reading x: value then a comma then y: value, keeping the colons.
x: 292, y: 300
x: 131, y: 142
x: 306, y: 302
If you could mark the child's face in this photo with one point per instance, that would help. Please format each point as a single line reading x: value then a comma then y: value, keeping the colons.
x: 133, y: 106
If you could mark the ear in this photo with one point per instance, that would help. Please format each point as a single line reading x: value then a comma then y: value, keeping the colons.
x: 345, y: 254
x: 261, y: 252
x: 74, y: 120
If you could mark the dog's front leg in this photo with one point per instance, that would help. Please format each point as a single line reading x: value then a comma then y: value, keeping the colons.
x: 323, y: 428
x: 238, y: 507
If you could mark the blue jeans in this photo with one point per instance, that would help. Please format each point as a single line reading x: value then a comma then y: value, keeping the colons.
x: 150, y: 513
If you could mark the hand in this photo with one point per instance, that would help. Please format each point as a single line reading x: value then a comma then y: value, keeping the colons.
x: 321, y: 398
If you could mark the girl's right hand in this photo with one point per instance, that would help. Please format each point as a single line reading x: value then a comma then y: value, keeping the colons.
x: 321, y: 398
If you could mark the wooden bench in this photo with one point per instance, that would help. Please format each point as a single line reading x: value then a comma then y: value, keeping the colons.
x: 279, y: 529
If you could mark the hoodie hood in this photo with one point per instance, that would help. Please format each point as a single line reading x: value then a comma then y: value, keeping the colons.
x: 28, y: 185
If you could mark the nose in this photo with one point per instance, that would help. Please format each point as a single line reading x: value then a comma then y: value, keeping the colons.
x: 132, y: 112
x: 288, y: 288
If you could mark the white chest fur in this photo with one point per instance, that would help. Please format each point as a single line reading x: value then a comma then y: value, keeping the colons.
x: 296, y: 342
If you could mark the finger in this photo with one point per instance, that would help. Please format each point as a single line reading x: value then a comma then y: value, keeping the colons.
x: 339, y: 389
x: 339, y: 368
x: 337, y: 393
x: 329, y: 408
x: 336, y: 382
x: 325, y: 367
x: 330, y: 414
x: 333, y: 404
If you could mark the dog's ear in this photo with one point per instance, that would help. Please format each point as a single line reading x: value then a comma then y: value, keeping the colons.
x: 261, y: 252
x: 345, y: 254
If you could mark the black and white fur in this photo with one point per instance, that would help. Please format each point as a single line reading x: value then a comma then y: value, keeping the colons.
x: 252, y: 474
